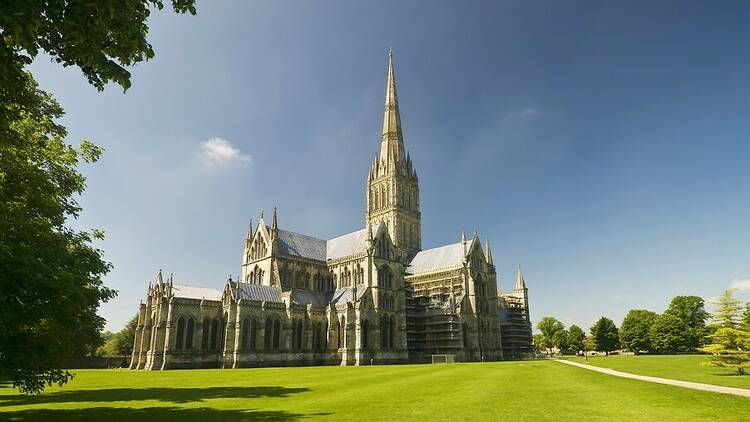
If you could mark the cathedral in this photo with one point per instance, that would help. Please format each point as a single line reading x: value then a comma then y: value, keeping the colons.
x: 373, y: 296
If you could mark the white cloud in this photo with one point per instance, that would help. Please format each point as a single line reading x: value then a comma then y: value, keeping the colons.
x: 740, y: 284
x: 525, y: 113
x: 218, y: 152
x: 528, y: 112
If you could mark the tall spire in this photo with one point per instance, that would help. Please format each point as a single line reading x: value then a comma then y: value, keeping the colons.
x: 520, y: 282
x: 274, y: 225
x: 488, y: 253
x: 392, y: 140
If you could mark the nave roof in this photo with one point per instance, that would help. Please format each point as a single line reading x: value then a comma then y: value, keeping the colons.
x: 442, y: 257
x: 258, y: 292
x: 194, y: 292
x: 296, y: 244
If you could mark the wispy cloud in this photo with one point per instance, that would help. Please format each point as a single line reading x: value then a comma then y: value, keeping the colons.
x: 218, y: 152
x: 528, y: 112
x: 740, y: 284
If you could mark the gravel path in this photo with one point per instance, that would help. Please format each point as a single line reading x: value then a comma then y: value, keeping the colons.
x: 687, y: 384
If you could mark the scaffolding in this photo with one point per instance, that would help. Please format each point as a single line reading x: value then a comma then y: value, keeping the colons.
x: 433, y: 321
x: 515, y: 328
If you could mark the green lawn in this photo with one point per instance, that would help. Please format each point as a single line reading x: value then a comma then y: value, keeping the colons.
x: 682, y: 367
x: 538, y: 390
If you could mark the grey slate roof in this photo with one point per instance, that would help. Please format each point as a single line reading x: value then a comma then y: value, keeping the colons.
x: 348, y: 244
x: 308, y: 297
x: 442, y: 257
x: 342, y: 296
x: 193, y: 292
x: 346, y: 294
x: 258, y: 292
x: 296, y: 244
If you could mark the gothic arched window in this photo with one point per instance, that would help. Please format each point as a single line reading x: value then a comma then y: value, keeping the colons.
x: 276, y: 334
x: 189, y: 334
x: 245, y: 335
x: 180, y: 333
x: 268, y: 334
x: 214, y: 334
x: 365, y: 333
x: 206, y: 332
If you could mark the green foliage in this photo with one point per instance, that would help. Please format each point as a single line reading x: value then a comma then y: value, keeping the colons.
x: 100, y: 38
x: 576, y: 339
x: 745, y: 318
x: 730, y: 343
x: 560, y: 340
x: 634, y: 331
x: 590, y: 343
x: 690, y: 310
x: 727, y: 313
x: 667, y: 334
x: 50, y: 275
x: 120, y: 343
x: 604, y: 333
x: 539, y: 342
x: 549, y: 326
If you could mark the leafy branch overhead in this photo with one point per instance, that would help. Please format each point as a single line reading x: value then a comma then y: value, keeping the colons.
x: 102, y: 38
x: 51, y: 277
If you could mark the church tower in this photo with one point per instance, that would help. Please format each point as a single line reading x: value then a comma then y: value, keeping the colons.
x: 392, y: 185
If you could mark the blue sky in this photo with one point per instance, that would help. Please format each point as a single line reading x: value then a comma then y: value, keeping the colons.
x: 602, y: 145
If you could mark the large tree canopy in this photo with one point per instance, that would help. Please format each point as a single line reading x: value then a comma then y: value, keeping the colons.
x: 634, y: 331
x: 691, y: 311
x: 667, y: 334
x: 549, y: 326
x: 576, y: 339
x: 605, y: 335
x: 50, y: 275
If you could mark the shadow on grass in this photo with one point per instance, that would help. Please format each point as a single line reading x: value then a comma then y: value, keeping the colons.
x: 155, y: 414
x: 169, y: 395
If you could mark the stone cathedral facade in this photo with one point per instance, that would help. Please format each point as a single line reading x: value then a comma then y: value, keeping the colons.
x: 368, y: 297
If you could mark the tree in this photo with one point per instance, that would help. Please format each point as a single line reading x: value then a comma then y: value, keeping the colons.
x: 634, y: 331
x: 120, y: 343
x: 560, y: 341
x: 605, y: 335
x: 50, y: 275
x: 690, y: 310
x: 667, y: 334
x: 549, y: 326
x: 745, y: 318
x: 590, y: 344
x: 539, y: 342
x: 730, y: 345
x: 576, y: 339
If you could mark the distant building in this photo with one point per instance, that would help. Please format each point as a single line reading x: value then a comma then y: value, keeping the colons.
x: 371, y: 296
